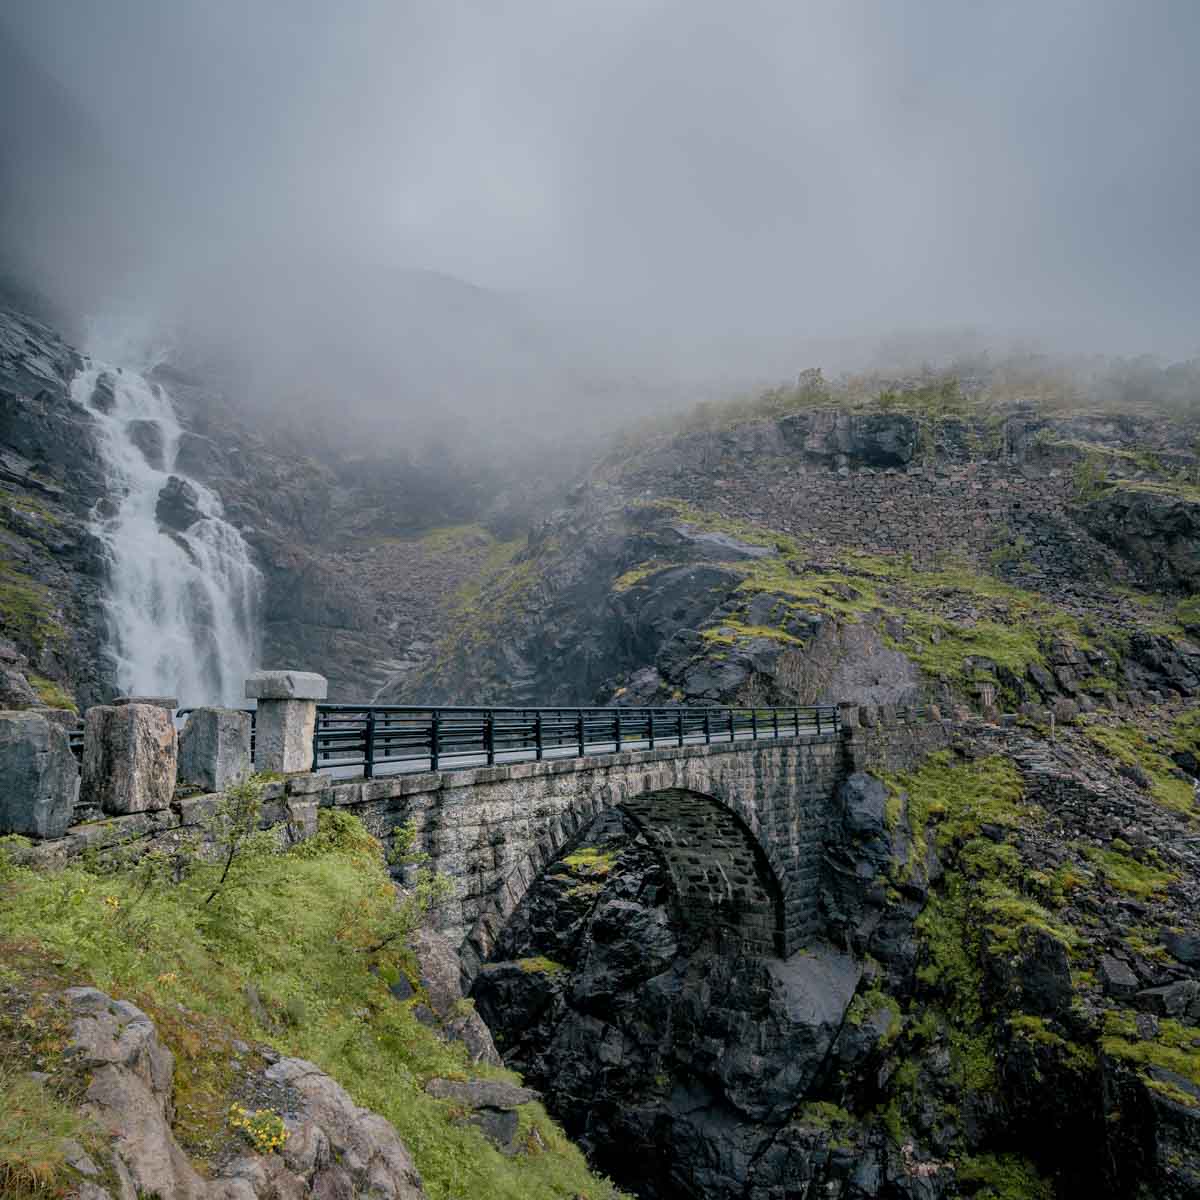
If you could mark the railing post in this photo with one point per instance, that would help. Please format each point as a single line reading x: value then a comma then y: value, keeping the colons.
x: 775, y: 722
x: 537, y: 733
x: 818, y: 712
x: 369, y: 746
x: 579, y: 719
x: 732, y: 734
x: 617, y: 731
x: 651, y: 711
x: 435, y: 739
x: 754, y: 724
x: 489, y: 736
x: 679, y: 725
x: 707, y: 727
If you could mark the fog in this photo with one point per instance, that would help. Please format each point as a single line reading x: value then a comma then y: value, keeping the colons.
x: 590, y: 206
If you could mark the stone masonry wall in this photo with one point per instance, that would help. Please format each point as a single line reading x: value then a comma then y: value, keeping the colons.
x: 492, y: 830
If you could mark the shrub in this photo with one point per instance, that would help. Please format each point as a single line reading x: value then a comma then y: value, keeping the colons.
x: 263, y: 1129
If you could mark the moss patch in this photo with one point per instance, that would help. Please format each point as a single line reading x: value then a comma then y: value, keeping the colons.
x: 52, y: 694
x: 1126, y: 874
x: 541, y: 965
x: 1003, y: 1177
x: 1172, y: 1048
x: 27, y: 610
x: 1130, y: 745
x: 591, y: 862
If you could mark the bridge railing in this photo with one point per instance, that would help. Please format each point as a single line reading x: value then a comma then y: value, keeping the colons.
x: 379, y: 735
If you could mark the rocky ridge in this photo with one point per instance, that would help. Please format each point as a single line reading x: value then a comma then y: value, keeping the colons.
x: 824, y: 555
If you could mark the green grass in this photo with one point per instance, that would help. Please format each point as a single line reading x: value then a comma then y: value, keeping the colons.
x: 541, y: 965
x: 1003, y: 1177
x: 301, y: 935
x: 27, y: 611
x: 52, y: 694
x: 451, y: 538
x: 1126, y: 874
x: 590, y: 861
x: 1130, y: 745
x: 1173, y: 1047
x: 34, y: 1123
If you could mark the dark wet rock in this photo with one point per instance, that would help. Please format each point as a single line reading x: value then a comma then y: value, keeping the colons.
x: 104, y: 397
x: 147, y: 436
x: 1169, y: 1000
x: 178, y: 505
x: 1156, y: 529
x: 1116, y: 978
x: 1182, y: 945
x: 1040, y: 972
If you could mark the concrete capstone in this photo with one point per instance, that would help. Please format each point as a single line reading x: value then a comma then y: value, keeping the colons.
x: 286, y: 685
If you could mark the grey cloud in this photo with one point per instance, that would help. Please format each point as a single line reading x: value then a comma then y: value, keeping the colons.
x: 693, y: 186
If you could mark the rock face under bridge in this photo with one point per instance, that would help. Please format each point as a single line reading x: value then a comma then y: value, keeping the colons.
x: 740, y: 827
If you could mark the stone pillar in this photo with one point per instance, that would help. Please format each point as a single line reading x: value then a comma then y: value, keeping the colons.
x: 130, y: 755
x: 287, y: 716
x: 214, y: 748
x: 40, y: 777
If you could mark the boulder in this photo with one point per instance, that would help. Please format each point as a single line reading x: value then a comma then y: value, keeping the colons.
x: 493, y: 1106
x: 214, y: 748
x: 1169, y: 1000
x: 104, y: 393
x: 441, y: 981
x: 1040, y: 973
x: 178, y: 505
x: 363, y: 1148
x: 1183, y: 946
x: 41, y: 779
x: 1116, y: 978
x: 147, y: 436
x: 15, y: 691
x: 129, y: 758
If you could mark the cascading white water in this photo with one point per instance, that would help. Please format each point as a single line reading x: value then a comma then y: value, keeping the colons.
x: 182, y: 603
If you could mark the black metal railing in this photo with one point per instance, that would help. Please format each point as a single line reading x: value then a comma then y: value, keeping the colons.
x: 378, y: 735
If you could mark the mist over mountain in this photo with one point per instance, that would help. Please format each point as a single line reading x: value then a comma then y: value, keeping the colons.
x: 421, y: 208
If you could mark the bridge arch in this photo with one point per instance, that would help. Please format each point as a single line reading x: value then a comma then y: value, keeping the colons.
x: 728, y: 861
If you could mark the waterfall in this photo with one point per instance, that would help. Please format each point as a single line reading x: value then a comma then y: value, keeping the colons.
x: 183, y: 592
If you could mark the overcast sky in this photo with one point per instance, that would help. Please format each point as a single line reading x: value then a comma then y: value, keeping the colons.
x: 699, y: 173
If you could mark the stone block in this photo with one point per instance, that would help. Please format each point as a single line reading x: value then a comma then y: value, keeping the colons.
x: 130, y: 758
x: 283, y: 735
x: 41, y: 780
x: 286, y: 685
x: 214, y: 748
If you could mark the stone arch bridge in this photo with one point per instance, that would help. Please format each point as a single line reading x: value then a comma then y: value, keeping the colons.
x: 740, y: 827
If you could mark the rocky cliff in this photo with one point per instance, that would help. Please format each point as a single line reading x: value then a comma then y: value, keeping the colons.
x: 829, y: 554
x: 51, y: 567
